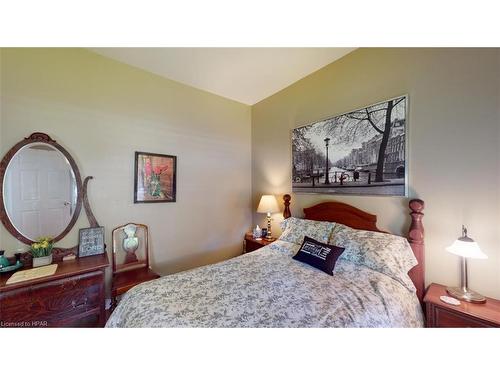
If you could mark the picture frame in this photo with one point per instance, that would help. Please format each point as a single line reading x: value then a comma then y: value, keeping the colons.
x: 91, y: 241
x: 349, y: 145
x: 155, y: 178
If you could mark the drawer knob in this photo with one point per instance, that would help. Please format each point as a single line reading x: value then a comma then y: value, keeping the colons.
x: 77, y: 305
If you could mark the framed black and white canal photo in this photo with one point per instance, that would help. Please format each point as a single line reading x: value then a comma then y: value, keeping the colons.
x: 362, y: 152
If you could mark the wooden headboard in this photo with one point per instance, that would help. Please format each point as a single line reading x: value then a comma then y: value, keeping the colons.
x: 358, y: 219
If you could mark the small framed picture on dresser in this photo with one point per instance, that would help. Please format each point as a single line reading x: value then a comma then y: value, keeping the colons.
x: 91, y: 241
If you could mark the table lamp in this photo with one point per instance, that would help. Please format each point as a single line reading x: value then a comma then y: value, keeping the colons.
x: 466, y: 247
x: 268, y: 205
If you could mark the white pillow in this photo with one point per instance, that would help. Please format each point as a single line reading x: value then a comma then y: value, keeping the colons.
x: 295, y: 229
x: 386, y: 253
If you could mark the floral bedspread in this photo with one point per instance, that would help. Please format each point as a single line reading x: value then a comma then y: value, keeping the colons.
x: 267, y: 288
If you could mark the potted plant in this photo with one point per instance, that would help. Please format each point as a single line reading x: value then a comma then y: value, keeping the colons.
x: 41, y: 250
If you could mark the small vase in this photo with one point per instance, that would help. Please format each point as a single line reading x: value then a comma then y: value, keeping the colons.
x: 155, y: 185
x: 42, y: 261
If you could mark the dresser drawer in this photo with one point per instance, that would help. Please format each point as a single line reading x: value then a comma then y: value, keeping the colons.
x: 54, y: 303
x: 449, y: 319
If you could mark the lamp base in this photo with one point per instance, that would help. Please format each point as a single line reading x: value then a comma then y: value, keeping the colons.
x: 268, y: 236
x: 466, y: 294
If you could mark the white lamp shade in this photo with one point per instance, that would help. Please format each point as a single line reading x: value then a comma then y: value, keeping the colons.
x: 268, y: 203
x: 466, y: 249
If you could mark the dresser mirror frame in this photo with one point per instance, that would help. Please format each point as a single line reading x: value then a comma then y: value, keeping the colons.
x: 81, y: 199
x: 37, y: 138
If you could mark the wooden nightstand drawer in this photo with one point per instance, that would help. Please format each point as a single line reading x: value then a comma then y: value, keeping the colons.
x: 252, y: 244
x: 450, y: 319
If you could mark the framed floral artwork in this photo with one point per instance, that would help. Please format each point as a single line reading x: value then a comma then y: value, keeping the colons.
x: 154, y: 177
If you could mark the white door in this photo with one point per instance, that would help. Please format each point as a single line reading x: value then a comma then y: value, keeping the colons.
x: 39, y: 189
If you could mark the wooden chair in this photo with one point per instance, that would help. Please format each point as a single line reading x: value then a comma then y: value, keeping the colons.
x: 130, y: 259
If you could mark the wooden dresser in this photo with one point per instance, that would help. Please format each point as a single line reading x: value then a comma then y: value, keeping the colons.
x: 72, y: 297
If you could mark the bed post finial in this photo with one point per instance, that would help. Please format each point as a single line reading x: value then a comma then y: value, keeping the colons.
x: 286, y: 212
x: 416, y: 240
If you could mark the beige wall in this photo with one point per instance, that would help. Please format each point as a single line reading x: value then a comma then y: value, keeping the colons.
x: 102, y: 111
x: 454, y: 148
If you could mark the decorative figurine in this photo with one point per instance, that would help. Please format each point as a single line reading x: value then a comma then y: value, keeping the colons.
x: 4, y: 262
x: 257, y: 232
x: 5, y: 265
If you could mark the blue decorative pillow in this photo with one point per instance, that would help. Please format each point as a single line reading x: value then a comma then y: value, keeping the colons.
x: 319, y: 255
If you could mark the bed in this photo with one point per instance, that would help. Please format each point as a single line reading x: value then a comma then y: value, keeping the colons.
x: 268, y: 288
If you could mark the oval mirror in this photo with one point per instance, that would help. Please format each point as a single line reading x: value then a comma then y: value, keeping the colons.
x: 40, y: 189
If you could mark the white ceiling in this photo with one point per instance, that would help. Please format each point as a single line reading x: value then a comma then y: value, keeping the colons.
x: 246, y: 75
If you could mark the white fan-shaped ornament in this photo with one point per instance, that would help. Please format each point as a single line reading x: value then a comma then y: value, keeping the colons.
x: 450, y: 300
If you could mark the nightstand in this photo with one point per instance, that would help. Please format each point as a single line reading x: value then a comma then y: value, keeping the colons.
x: 252, y: 244
x: 440, y: 314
